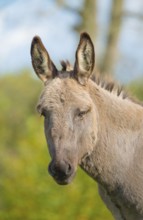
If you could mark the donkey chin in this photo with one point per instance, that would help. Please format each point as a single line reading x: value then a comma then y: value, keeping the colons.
x: 62, y: 171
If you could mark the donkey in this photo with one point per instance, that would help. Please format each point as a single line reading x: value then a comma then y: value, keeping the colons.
x: 93, y: 125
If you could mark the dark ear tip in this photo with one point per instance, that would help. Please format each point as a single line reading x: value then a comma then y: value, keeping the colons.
x: 36, y: 39
x: 85, y: 35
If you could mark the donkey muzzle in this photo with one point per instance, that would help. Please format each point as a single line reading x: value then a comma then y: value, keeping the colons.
x: 61, y: 171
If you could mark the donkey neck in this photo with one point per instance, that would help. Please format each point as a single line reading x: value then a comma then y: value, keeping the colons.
x: 119, y: 133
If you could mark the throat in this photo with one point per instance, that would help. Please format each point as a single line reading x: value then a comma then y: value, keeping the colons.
x: 87, y: 164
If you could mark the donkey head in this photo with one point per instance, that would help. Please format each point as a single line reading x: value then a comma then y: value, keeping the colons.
x: 70, y: 118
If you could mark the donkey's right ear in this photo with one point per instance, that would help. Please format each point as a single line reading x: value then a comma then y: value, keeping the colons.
x: 42, y: 64
x: 85, y: 58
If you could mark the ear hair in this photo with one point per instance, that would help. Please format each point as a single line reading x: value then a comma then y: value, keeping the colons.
x: 85, y: 59
x: 42, y: 64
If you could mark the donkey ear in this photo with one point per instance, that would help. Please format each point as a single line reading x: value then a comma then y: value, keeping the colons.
x: 85, y: 58
x: 42, y: 64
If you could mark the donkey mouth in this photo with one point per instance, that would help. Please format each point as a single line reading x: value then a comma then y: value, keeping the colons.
x: 65, y: 181
x: 60, y: 174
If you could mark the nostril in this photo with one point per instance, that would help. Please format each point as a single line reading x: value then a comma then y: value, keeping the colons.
x: 69, y: 169
x: 65, y: 168
x: 50, y: 169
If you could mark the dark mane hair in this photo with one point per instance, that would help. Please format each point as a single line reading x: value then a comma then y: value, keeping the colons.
x: 66, y: 66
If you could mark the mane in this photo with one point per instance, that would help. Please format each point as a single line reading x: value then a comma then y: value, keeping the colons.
x: 66, y: 66
x: 110, y: 85
x: 106, y: 83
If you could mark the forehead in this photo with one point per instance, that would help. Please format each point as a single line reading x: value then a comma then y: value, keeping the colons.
x: 63, y: 91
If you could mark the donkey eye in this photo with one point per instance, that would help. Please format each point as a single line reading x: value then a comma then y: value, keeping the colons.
x: 43, y: 113
x: 81, y: 114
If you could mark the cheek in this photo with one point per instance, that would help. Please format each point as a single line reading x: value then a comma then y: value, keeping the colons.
x: 46, y: 129
x: 92, y: 128
x: 88, y: 134
x: 48, y: 138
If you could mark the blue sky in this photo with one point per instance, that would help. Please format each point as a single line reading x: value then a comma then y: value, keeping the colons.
x: 21, y: 20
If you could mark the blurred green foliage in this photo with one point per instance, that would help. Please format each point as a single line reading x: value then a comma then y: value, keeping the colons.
x: 136, y: 88
x: 26, y: 189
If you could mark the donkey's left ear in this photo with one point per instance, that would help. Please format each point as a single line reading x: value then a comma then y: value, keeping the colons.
x: 85, y: 59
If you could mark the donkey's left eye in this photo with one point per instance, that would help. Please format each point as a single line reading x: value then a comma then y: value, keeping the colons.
x: 81, y: 114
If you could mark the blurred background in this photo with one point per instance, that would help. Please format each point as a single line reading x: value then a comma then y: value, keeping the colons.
x: 116, y: 28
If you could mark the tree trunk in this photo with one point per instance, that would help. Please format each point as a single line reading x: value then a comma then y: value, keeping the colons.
x: 88, y: 15
x: 109, y: 56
